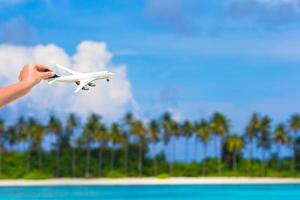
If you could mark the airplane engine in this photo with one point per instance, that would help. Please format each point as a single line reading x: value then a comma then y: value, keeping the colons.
x: 85, y: 88
x: 92, y: 84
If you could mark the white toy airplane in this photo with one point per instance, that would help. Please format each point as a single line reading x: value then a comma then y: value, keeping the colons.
x: 83, y: 80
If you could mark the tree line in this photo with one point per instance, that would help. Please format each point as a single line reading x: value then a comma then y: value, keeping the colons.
x: 92, y: 148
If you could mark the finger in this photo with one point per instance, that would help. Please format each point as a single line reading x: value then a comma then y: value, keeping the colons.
x: 42, y: 68
x: 20, y: 74
x: 46, y: 75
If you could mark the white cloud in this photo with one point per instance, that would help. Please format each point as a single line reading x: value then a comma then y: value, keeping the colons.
x: 108, y: 99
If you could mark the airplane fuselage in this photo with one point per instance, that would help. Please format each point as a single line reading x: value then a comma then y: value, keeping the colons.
x: 83, y: 80
x: 79, y: 77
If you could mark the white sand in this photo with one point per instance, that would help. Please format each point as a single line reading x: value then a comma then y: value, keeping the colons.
x: 150, y: 181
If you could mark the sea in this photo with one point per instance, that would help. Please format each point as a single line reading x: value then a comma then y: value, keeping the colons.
x: 157, y: 192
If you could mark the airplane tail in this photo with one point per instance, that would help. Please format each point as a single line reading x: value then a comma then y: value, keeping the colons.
x: 51, y: 81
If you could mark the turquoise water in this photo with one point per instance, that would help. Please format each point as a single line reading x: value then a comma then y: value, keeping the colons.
x: 207, y: 192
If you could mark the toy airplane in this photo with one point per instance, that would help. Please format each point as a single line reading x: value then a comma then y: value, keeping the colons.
x: 83, y: 80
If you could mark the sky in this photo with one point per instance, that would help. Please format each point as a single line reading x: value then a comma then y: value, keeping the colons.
x: 189, y: 57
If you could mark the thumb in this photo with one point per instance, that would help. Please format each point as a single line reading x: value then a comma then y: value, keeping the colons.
x: 46, y: 75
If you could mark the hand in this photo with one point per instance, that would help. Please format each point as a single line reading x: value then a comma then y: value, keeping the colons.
x: 32, y: 74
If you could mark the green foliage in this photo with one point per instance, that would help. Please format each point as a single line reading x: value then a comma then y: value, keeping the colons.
x: 191, y: 170
x: 3, y: 176
x: 37, y: 175
x: 163, y: 176
x: 98, y: 149
x: 13, y: 165
x: 114, y: 174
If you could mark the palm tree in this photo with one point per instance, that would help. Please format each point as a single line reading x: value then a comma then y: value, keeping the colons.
x: 204, y: 134
x: 36, y: 133
x: 24, y: 133
x: 55, y: 128
x: 154, y: 136
x: 167, y: 130
x: 72, y: 124
x: 280, y: 137
x: 175, y: 133
x: 252, y: 130
x: 187, y: 129
x: 234, y: 145
x: 294, y: 126
x: 124, y: 141
x: 128, y: 119
x: 264, y: 140
x: 11, y: 137
x: 138, y: 130
x: 114, y: 137
x: 2, y: 130
x: 102, y: 137
x: 220, y: 127
x: 90, y: 129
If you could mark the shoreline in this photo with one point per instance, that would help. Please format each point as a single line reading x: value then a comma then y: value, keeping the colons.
x: 148, y: 181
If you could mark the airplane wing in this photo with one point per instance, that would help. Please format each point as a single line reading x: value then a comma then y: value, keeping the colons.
x: 83, y: 83
x: 67, y: 69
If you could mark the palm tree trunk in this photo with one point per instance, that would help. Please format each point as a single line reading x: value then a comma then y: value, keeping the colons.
x: 293, y: 164
x: 140, y: 167
x: 112, y: 158
x: 166, y: 151
x: 220, y: 156
x: 170, y: 160
x: 73, y: 161
x: 57, y: 162
x: 87, y: 165
x: 204, y: 158
x: 154, y: 160
x: 216, y: 150
x: 234, y: 164
x: 0, y: 160
x: 167, y: 148
x: 40, y: 158
x: 174, y: 150
x: 186, y: 148
x: 100, y: 161
x: 29, y: 155
x: 28, y: 160
x: 250, y: 158
x: 278, y: 158
x: 196, y: 149
x: 263, y: 163
x: 126, y: 158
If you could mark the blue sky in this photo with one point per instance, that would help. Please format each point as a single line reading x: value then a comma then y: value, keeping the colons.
x: 190, y: 56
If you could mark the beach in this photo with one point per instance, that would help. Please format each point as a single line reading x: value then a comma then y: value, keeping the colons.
x: 149, y: 181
